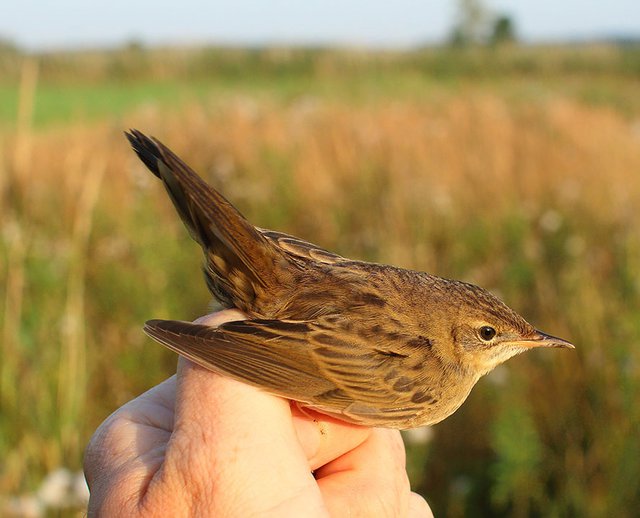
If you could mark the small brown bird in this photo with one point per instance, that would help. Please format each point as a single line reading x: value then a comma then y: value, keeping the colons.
x: 367, y: 343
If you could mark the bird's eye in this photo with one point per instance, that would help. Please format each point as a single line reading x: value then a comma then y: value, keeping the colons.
x: 487, y: 333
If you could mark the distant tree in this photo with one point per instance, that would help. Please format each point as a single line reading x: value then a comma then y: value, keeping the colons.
x: 503, y: 31
x: 134, y: 45
x: 471, y: 25
x: 8, y: 47
x: 475, y: 24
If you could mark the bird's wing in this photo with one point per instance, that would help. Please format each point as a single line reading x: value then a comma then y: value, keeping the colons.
x: 298, y: 360
x: 269, y: 354
x: 300, y: 248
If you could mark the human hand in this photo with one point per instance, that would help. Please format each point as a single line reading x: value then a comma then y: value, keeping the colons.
x: 200, y: 444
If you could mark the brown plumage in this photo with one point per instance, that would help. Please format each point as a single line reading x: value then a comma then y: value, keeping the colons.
x: 367, y: 343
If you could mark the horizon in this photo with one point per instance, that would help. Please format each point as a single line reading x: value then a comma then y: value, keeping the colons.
x: 614, y: 39
x: 405, y: 25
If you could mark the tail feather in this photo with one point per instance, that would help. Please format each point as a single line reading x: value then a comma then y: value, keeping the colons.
x: 234, y: 248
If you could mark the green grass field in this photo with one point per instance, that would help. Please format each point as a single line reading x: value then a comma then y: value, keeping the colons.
x: 91, y: 86
x: 518, y: 171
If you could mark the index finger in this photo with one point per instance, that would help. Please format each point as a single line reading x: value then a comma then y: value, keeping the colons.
x: 230, y: 435
x: 322, y: 438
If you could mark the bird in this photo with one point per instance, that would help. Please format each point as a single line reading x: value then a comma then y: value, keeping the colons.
x: 369, y: 344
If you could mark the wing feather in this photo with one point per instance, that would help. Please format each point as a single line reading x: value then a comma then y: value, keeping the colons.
x: 298, y: 360
x: 300, y: 248
x: 277, y: 361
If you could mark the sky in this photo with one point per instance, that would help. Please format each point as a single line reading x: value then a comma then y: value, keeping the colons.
x: 43, y: 24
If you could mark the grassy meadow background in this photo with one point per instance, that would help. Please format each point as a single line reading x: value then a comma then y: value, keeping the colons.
x: 517, y: 169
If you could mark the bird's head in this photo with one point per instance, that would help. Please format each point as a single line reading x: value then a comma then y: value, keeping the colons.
x: 484, y: 331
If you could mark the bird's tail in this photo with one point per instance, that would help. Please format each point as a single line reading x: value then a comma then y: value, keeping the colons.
x: 241, y: 263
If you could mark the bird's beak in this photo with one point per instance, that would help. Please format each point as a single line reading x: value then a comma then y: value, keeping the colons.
x: 540, y: 339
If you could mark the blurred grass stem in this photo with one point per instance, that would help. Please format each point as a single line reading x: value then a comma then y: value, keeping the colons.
x: 72, y: 387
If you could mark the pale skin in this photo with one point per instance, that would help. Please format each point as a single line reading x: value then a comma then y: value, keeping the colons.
x: 200, y: 444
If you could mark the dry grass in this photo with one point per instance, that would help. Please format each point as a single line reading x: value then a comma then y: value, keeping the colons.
x: 536, y: 201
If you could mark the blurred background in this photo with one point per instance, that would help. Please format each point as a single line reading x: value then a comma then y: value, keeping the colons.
x: 491, y: 141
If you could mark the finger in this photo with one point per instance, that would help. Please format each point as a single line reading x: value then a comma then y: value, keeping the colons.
x: 220, y: 317
x: 370, y: 480
x: 418, y: 507
x: 322, y: 438
x: 127, y: 449
x: 233, y: 436
x: 117, y: 439
x: 231, y: 440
